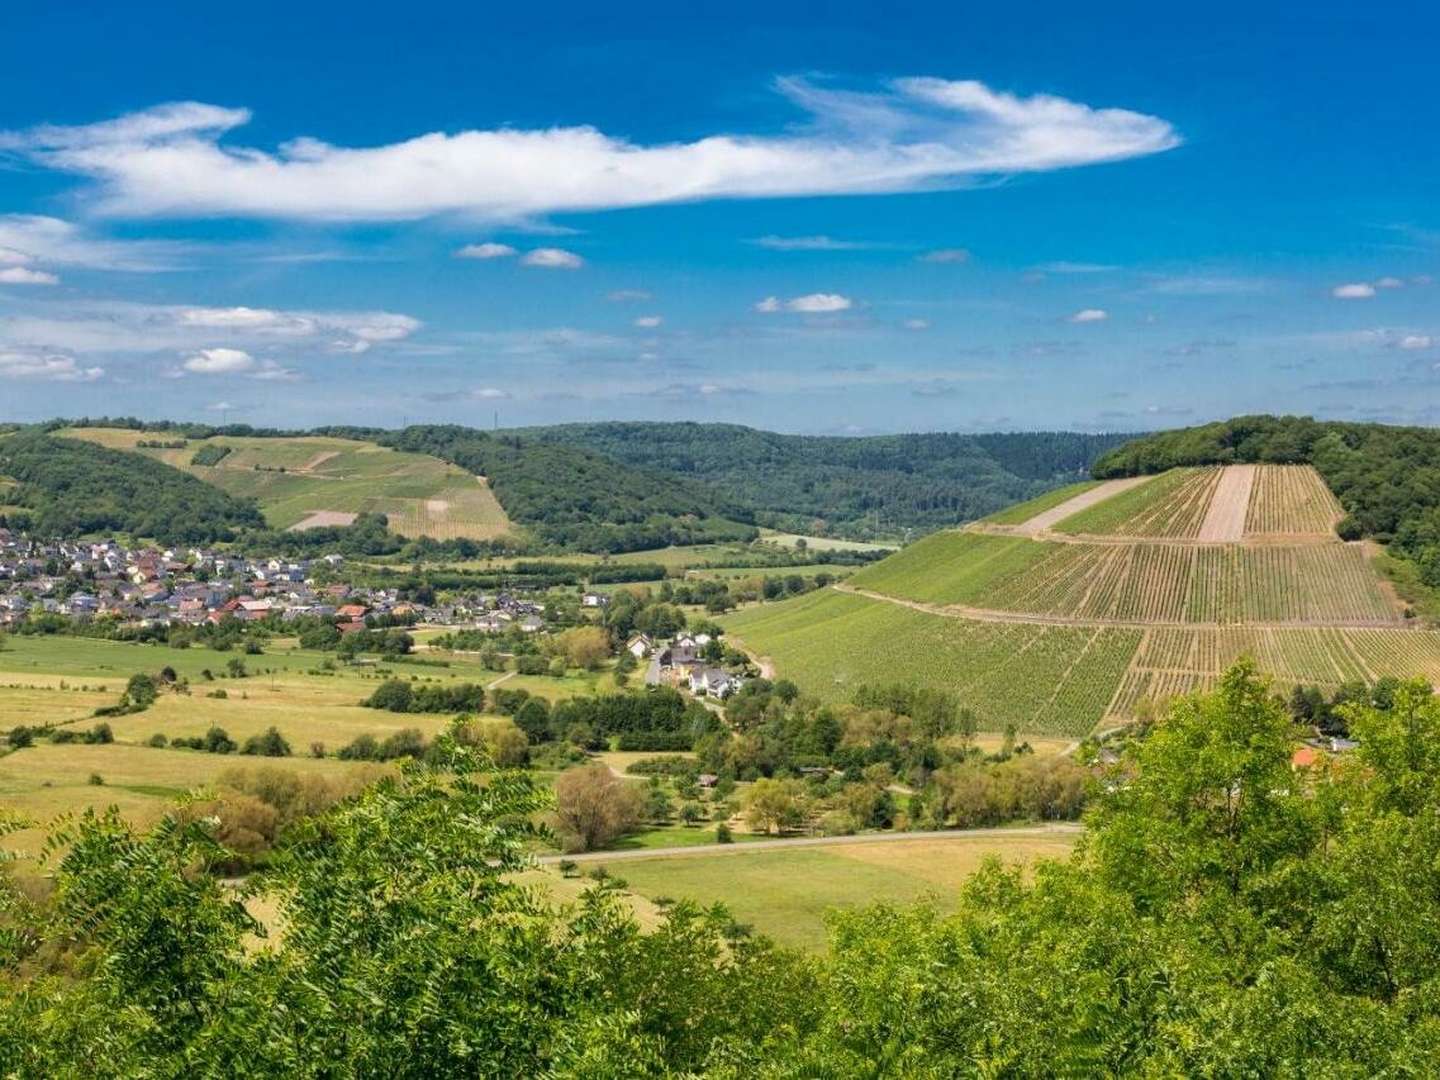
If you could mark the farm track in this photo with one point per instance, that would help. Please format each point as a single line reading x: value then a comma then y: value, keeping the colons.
x: 1251, y: 540
x: 1042, y: 521
x: 754, y: 846
x: 996, y: 615
x: 1229, y: 504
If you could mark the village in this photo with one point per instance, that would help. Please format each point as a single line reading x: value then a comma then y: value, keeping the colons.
x: 165, y: 588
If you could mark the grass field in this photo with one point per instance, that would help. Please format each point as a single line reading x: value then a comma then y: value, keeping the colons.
x: 785, y: 894
x: 1172, y: 504
x: 1023, y: 512
x: 423, y: 495
x: 1044, y: 679
x: 820, y: 543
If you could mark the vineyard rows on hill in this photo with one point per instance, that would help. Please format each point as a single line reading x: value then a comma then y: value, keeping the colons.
x: 1173, y: 504
x: 1169, y: 662
x: 1291, y: 499
x: 1136, y: 583
x: 1043, y: 679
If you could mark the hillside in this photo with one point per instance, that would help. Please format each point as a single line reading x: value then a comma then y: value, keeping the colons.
x: 69, y: 487
x: 1068, y: 613
x: 312, y: 479
x: 857, y: 487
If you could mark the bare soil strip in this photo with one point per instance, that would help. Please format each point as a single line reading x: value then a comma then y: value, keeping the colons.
x: 1225, y: 520
x: 321, y: 519
x: 994, y: 615
x: 1086, y: 499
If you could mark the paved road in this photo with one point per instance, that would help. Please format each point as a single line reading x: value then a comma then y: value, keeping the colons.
x: 748, y: 847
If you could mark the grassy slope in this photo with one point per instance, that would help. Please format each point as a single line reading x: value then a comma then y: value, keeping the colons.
x: 325, y: 473
x: 1119, y: 513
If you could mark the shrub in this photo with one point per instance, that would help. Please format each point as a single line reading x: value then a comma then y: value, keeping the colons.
x: 158, y: 741
x: 270, y: 744
x: 723, y: 834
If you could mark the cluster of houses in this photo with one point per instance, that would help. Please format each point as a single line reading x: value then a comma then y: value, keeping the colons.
x: 166, y: 587
x: 680, y: 663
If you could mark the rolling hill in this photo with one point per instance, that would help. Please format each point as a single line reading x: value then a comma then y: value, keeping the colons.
x: 1072, y: 611
x: 858, y: 487
x: 326, y: 480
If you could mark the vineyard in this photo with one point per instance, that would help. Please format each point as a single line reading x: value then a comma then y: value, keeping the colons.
x: 1136, y: 582
x: 1044, y: 679
x: 1291, y: 500
x: 1171, y: 662
x: 1173, y: 504
x: 1159, y: 590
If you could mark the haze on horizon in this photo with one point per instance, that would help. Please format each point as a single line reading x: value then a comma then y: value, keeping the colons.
x: 849, y: 222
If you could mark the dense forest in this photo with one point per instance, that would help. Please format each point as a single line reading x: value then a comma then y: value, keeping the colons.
x: 72, y: 488
x: 1387, y: 478
x: 1227, y: 915
x: 579, y: 499
x: 872, y: 487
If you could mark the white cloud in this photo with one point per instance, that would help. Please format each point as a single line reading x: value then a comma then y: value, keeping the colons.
x: 1359, y: 290
x: 810, y: 243
x: 810, y: 304
x: 1389, y: 283
x: 44, y: 364
x: 487, y: 250
x: 1414, y: 342
x: 36, y: 239
x: 917, y: 324
x: 489, y: 393
x: 1064, y: 266
x: 946, y: 255
x: 23, y: 275
x: 219, y: 406
x: 625, y: 296
x: 648, y: 322
x: 219, y: 362
x: 915, y: 134
x: 553, y: 259
x: 1089, y: 314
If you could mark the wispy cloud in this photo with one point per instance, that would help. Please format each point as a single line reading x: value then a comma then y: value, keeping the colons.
x: 946, y: 255
x: 1357, y: 290
x: 549, y: 258
x: 44, y: 365
x: 912, y: 134
x: 1089, y: 315
x: 813, y: 243
x: 810, y: 304
x: 628, y: 296
x: 487, y: 250
x: 37, y: 240
x: 23, y: 275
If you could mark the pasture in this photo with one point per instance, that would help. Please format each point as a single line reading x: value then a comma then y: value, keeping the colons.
x: 785, y: 894
x: 293, y: 478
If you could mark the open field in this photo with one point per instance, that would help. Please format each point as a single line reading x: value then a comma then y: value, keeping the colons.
x: 423, y: 495
x: 820, y: 543
x: 1173, y: 504
x: 1044, y: 679
x: 785, y: 894
x: 1291, y: 499
x: 42, y: 782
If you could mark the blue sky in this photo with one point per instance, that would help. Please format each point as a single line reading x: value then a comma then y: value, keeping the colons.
x: 832, y: 219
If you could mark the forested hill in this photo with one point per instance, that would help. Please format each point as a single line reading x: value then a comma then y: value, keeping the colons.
x: 577, y: 498
x: 861, y: 487
x: 71, y: 488
x: 1387, y: 478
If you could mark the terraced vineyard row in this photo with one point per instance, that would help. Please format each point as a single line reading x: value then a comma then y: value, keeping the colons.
x: 1137, y: 583
x: 1169, y: 662
x: 1291, y: 499
x: 1173, y: 504
x: 1043, y: 679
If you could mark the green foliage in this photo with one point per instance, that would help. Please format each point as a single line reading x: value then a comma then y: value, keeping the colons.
x: 210, y: 454
x: 270, y: 744
x: 875, y: 486
x: 74, y: 488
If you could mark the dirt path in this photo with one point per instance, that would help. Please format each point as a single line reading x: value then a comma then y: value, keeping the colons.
x: 749, y: 847
x: 1225, y: 520
x: 318, y: 460
x: 1250, y: 540
x: 503, y: 678
x: 764, y: 663
x: 995, y: 615
x: 1043, y: 521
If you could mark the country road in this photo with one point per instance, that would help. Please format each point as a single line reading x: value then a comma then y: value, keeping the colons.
x: 749, y: 847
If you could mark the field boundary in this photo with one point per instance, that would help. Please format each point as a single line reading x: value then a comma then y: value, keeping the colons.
x: 1042, y: 521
